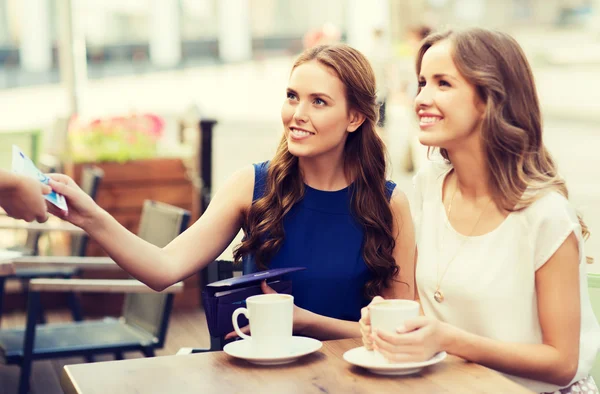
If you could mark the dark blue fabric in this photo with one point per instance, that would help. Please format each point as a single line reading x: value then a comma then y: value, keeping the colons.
x: 322, y: 235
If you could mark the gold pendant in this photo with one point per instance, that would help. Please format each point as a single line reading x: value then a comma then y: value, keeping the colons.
x: 438, y: 296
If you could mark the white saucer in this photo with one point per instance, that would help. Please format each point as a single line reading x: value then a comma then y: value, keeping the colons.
x: 370, y: 360
x: 297, y: 347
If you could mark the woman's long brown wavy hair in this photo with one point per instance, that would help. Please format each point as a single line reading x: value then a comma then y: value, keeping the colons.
x: 521, y: 168
x: 364, y: 164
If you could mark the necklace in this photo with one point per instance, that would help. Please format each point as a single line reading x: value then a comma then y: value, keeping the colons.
x: 438, y: 295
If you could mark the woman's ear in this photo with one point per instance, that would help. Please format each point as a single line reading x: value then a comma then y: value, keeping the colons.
x: 481, y: 107
x: 356, y: 120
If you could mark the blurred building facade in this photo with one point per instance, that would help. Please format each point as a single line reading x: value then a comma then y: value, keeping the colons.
x: 136, y: 36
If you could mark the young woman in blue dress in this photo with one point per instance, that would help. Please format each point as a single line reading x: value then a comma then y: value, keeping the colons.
x: 501, y: 268
x: 322, y: 203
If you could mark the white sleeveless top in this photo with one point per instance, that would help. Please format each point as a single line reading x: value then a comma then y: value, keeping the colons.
x: 489, y: 288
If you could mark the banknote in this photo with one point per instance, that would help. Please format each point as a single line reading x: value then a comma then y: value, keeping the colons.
x: 22, y: 165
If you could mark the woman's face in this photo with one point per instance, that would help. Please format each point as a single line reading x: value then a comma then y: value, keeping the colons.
x: 315, y: 113
x: 448, y: 106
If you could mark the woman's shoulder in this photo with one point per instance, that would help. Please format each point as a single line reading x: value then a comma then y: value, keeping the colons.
x: 430, y: 173
x: 399, y: 201
x: 261, y: 171
x: 549, y: 205
x: 390, y: 189
x: 550, y: 219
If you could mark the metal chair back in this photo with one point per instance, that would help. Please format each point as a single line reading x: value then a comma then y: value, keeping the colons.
x: 160, y: 224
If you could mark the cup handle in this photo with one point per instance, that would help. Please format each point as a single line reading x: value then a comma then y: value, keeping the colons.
x: 234, y: 319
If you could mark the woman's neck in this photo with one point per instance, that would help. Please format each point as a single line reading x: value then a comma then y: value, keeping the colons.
x: 323, y: 173
x: 472, y: 174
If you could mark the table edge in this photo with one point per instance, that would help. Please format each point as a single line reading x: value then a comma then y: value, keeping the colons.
x: 67, y: 383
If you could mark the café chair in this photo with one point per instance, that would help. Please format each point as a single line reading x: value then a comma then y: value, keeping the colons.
x: 141, y: 327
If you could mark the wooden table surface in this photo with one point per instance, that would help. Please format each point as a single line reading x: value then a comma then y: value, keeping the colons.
x: 321, y: 372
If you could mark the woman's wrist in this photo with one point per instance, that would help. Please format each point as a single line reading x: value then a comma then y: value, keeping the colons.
x: 302, y: 320
x: 96, y: 222
x: 450, y: 337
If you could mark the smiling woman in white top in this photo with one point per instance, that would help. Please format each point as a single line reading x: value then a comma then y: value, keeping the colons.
x: 501, y: 267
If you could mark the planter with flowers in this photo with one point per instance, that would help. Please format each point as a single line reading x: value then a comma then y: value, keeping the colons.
x: 127, y: 149
x: 117, y: 139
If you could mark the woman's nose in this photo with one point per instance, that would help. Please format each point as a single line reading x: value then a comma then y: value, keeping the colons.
x: 424, y: 98
x: 300, y: 114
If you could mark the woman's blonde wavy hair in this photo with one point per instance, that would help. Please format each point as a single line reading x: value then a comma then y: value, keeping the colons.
x: 364, y: 164
x: 522, y: 170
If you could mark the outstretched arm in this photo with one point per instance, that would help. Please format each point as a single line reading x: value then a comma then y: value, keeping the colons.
x: 188, y: 253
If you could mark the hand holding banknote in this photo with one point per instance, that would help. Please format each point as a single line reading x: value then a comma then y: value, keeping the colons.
x: 24, y: 166
x: 23, y: 197
x: 82, y: 208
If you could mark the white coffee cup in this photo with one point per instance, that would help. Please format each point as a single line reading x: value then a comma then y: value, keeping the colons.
x: 271, y: 319
x: 388, y: 315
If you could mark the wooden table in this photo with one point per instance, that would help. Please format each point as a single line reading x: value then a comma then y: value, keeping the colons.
x: 321, y: 372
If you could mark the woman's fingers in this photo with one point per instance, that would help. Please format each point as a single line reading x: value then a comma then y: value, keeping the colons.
x: 390, y: 344
x: 365, y: 316
x: 60, y: 187
x: 62, y: 178
x: 233, y: 334
x: 42, y: 218
x: 266, y: 289
x: 364, y: 312
x: 73, y: 194
x: 56, y: 211
x: 409, y: 339
x: 414, y: 324
x: 365, y: 323
x: 368, y: 342
x: 365, y: 330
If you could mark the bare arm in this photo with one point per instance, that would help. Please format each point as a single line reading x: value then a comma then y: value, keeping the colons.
x: 556, y: 359
x: 188, y: 253
x: 404, y: 252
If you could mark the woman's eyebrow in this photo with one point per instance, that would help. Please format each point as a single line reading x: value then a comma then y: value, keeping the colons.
x: 440, y: 76
x: 321, y: 95
x: 316, y: 94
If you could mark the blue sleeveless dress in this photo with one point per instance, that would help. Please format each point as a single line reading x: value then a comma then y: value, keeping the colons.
x: 322, y: 235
